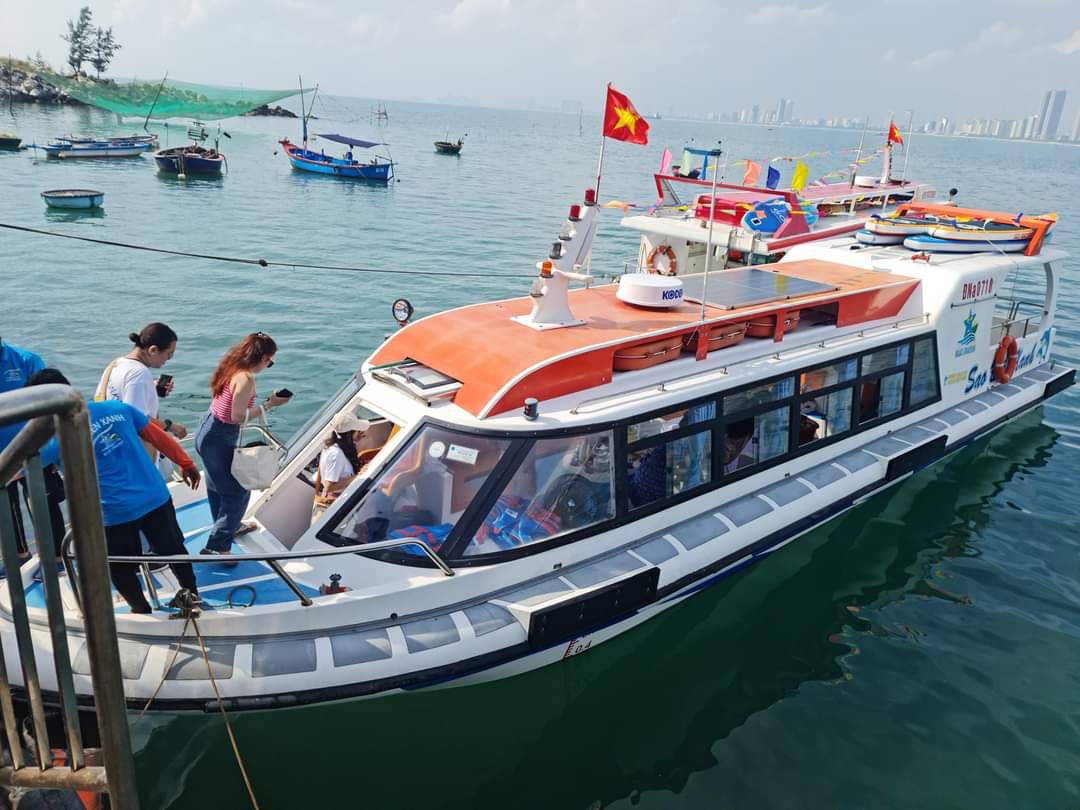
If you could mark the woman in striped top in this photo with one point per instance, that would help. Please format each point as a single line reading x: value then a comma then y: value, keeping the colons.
x: 233, y: 387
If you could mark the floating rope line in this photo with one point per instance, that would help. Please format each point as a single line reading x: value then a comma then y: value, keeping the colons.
x: 263, y: 262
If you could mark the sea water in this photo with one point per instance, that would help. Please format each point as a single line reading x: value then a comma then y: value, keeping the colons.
x: 921, y: 651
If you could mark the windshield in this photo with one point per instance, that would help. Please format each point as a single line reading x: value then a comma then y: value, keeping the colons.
x: 424, y: 492
x: 318, y: 420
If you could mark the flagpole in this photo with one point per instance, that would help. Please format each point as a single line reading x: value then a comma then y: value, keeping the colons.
x: 907, y: 146
x: 708, y: 241
x: 862, y: 140
x: 603, y: 141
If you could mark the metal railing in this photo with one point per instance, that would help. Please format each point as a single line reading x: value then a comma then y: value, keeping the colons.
x: 59, y: 409
x: 271, y: 558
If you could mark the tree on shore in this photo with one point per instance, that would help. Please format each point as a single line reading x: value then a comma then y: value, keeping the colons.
x: 102, y: 49
x: 79, y: 38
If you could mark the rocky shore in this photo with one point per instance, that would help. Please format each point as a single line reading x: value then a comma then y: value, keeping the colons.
x: 277, y: 111
x: 24, y: 85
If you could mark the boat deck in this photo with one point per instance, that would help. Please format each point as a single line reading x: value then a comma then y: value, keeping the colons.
x: 500, y: 362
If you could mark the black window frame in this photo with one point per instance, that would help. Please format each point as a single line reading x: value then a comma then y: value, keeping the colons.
x: 522, y: 442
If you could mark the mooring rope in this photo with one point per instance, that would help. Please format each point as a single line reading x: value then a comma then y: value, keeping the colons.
x: 225, y: 717
x: 264, y: 262
x: 168, y: 668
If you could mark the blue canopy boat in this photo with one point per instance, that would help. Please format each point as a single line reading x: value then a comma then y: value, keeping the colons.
x: 377, y: 170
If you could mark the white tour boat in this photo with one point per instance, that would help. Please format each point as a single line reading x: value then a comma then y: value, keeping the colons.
x: 547, y: 472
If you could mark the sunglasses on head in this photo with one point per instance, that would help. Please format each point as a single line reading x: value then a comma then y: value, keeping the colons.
x: 270, y: 364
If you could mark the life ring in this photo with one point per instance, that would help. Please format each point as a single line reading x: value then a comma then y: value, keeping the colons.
x: 667, y: 250
x: 1005, y: 359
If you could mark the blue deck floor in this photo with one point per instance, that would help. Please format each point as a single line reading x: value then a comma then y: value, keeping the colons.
x: 216, y: 580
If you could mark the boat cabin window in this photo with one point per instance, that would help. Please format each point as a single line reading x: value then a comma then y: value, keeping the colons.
x: 924, y: 374
x: 824, y: 415
x: 659, y: 464
x: 425, y: 490
x: 564, y: 484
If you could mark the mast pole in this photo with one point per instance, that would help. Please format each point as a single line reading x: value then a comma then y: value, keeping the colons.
x: 708, y: 240
x: 907, y: 145
x: 303, y: 112
x: 146, y: 123
x: 603, y: 141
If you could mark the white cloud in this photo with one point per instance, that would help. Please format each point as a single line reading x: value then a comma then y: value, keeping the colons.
x: 1069, y: 45
x: 777, y: 13
x: 997, y: 36
x: 469, y: 13
x: 932, y: 60
x: 184, y: 16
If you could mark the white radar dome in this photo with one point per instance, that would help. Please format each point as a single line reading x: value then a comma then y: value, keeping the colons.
x: 648, y: 290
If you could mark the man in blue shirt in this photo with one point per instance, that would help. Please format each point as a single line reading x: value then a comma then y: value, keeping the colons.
x: 134, y: 497
x: 16, y: 367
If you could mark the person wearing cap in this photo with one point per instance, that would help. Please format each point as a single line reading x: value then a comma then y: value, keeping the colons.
x: 339, y: 461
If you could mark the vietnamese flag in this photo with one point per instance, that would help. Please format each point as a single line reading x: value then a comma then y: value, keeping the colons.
x: 621, y: 121
x: 894, y: 135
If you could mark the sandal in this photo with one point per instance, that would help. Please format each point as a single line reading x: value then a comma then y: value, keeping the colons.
x: 246, y: 528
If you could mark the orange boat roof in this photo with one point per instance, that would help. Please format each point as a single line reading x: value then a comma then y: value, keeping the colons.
x: 501, y: 362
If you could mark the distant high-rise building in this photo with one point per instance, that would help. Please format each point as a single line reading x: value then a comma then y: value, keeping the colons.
x: 1016, y: 128
x: 1031, y: 127
x: 1044, y: 108
x: 790, y: 110
x: 755, y: 114
x: 945, y: 126
x: 1050, y: 127
x: 782, y: 113
x: 1076, y: 128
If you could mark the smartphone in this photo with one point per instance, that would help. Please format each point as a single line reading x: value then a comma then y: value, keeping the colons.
x: 162, y: 383
x: 284, y: 393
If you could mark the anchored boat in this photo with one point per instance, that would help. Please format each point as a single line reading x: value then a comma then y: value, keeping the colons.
x: 751, y: 224
x: 194, y: 159
x: 450, y: 147
x: 73, y: 198
x: 377, y: 170
x: 546, y: 472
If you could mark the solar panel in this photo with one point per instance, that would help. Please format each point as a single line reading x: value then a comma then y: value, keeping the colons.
x: 731, y: 289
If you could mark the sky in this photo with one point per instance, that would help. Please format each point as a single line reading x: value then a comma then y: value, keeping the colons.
x: 960, y: 58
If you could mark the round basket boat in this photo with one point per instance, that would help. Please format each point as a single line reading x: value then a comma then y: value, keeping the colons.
x: 73, y: 198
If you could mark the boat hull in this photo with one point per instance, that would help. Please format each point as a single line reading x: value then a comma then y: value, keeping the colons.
x: 73, y: 199
x: 178, y: 161
x: 80, y: 152
x: 447, y: 148
x: 931, y: 244
x: 316, y: 163
x: 10, y: 144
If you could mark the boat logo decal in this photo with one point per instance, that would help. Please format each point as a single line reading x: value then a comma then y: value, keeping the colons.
x: 967, y: 341
x: 1040, y: 351
x: 955, y: 377
x: 976, y: 379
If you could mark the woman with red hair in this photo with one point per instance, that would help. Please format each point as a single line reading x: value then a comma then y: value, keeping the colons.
x: 233, y: 388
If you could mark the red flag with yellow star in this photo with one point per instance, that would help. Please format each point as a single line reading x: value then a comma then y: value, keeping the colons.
x: 894, y: 135
x: 621, y: 121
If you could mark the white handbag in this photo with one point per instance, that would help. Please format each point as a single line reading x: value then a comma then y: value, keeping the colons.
x: 255, y: 467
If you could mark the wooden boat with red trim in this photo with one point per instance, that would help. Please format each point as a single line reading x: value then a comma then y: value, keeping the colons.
x: 533, y: 491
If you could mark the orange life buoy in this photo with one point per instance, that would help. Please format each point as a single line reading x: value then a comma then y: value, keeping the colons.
x: 650, y: 262
x: 1005, y: 359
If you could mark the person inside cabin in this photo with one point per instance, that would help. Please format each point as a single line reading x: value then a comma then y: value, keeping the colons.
x: 134, y: 498
x: 738, y: 445
x: 582, y: 496
x: 339, y: 461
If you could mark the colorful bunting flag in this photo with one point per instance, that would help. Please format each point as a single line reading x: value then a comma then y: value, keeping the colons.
x: 751, y: 174
x: 772, y: 179
x: 799, y: 176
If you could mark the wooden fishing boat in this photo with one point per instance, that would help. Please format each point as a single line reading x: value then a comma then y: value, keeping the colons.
x: 66, y: 150
x: 318, y: 162
x: 9, y: 142
x: 73, y: 198
x: 193, y: 159
x: 450, y: 147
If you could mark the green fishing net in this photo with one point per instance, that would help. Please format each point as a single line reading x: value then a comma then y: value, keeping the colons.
x: 176, y: 99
